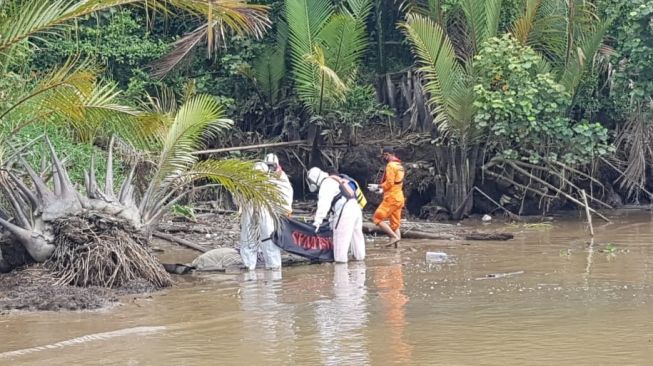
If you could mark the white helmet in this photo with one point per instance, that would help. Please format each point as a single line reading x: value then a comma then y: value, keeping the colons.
x: 261, y: 167
x: 315, y: 177
x: 272, y: 160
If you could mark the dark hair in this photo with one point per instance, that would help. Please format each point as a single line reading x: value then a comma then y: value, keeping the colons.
x: 388, y: 150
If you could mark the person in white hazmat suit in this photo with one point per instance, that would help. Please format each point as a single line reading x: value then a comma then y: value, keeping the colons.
x: 280, y: 179
x: 254, y: 237
x: 345, y: 215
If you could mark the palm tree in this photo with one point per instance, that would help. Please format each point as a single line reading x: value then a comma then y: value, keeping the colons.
x: 73, y: 94
x: 326, y: 47
x: 566, y: 33
x: 182, y: 131
x: 445, y: 62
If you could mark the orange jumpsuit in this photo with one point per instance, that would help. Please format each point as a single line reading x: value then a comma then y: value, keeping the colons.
x: 393, y: 195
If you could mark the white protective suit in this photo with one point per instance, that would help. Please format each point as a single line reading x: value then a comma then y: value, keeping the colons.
x: 282, y: 182
x: 252, y: 239
x: 280, y: 179
x: 346, y: 221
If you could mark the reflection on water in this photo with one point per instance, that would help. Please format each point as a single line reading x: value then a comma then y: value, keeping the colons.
x: 265, y: 320
x: 341, y: 320
x: 390, y: 282
x: 569, y: 302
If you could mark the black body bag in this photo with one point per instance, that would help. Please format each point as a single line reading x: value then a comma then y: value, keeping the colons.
x: 300, y: 238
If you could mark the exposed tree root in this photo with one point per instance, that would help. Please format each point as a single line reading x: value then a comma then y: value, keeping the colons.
x: 93, y: 249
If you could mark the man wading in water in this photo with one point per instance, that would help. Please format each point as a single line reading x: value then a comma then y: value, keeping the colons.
x: 391, y: 186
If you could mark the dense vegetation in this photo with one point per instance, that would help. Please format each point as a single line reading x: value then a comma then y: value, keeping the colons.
x: 544, y: 97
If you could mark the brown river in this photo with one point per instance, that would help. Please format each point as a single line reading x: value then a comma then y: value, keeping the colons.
x: 545, y: 298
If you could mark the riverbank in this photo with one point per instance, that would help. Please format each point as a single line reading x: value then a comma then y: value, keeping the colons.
x: 33, y: 288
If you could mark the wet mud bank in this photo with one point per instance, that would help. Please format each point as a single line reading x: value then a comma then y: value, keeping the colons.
x: 26, y: 286
x: 34, y: 288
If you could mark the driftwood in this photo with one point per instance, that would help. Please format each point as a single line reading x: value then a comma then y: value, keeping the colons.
x: 180, y: 241
x: 416, y: 234
x: 500, y: 275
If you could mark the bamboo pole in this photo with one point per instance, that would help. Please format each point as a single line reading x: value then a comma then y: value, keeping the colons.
x: 588, y: 213
x: 300, y: 143
x: 250, y: 147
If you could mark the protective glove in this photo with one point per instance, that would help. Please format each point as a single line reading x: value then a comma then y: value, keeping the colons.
x: 375, y: 188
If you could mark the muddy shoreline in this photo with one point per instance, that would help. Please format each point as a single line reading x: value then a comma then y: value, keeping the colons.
x: 32, y: 288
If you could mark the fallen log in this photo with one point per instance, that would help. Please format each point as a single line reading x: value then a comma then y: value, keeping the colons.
x: 180, y: 241
x: 370, y: 228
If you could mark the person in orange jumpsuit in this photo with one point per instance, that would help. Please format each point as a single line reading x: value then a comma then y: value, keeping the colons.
x: 392, y: 185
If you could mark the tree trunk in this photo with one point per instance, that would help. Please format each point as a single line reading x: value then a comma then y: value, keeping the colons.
x: 455, y: 175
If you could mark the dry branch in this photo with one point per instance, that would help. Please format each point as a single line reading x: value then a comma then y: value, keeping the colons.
x: 551, y: 186
x: 180, y: 241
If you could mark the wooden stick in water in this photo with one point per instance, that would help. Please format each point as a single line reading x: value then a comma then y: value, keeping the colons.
x: 588, y: 213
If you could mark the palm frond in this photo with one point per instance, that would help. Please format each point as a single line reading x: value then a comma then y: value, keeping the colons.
x: 344, y: 39
x: 36, y: 17
x: 58, y: 92
x: 428, y: 8
x: 357, y: 9
x: 523, y: 26
x: 236, y: 16
x: 223, y: 18
x: 451, y: 97
x: 329, y: 87
x: 103, y: 115
x: 306, y: 18
x: 247, y: 185
x: 197, y: 119
x: 268, y: 71
x: 482, y: 20
x: 269, y: 68
x: 583, y: 58
x: 635, y: 143
x: 327, y: 76
x: 181, y: 49
x: 542, y: 27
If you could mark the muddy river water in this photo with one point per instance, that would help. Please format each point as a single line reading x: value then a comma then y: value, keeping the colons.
x: 545, y: 298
